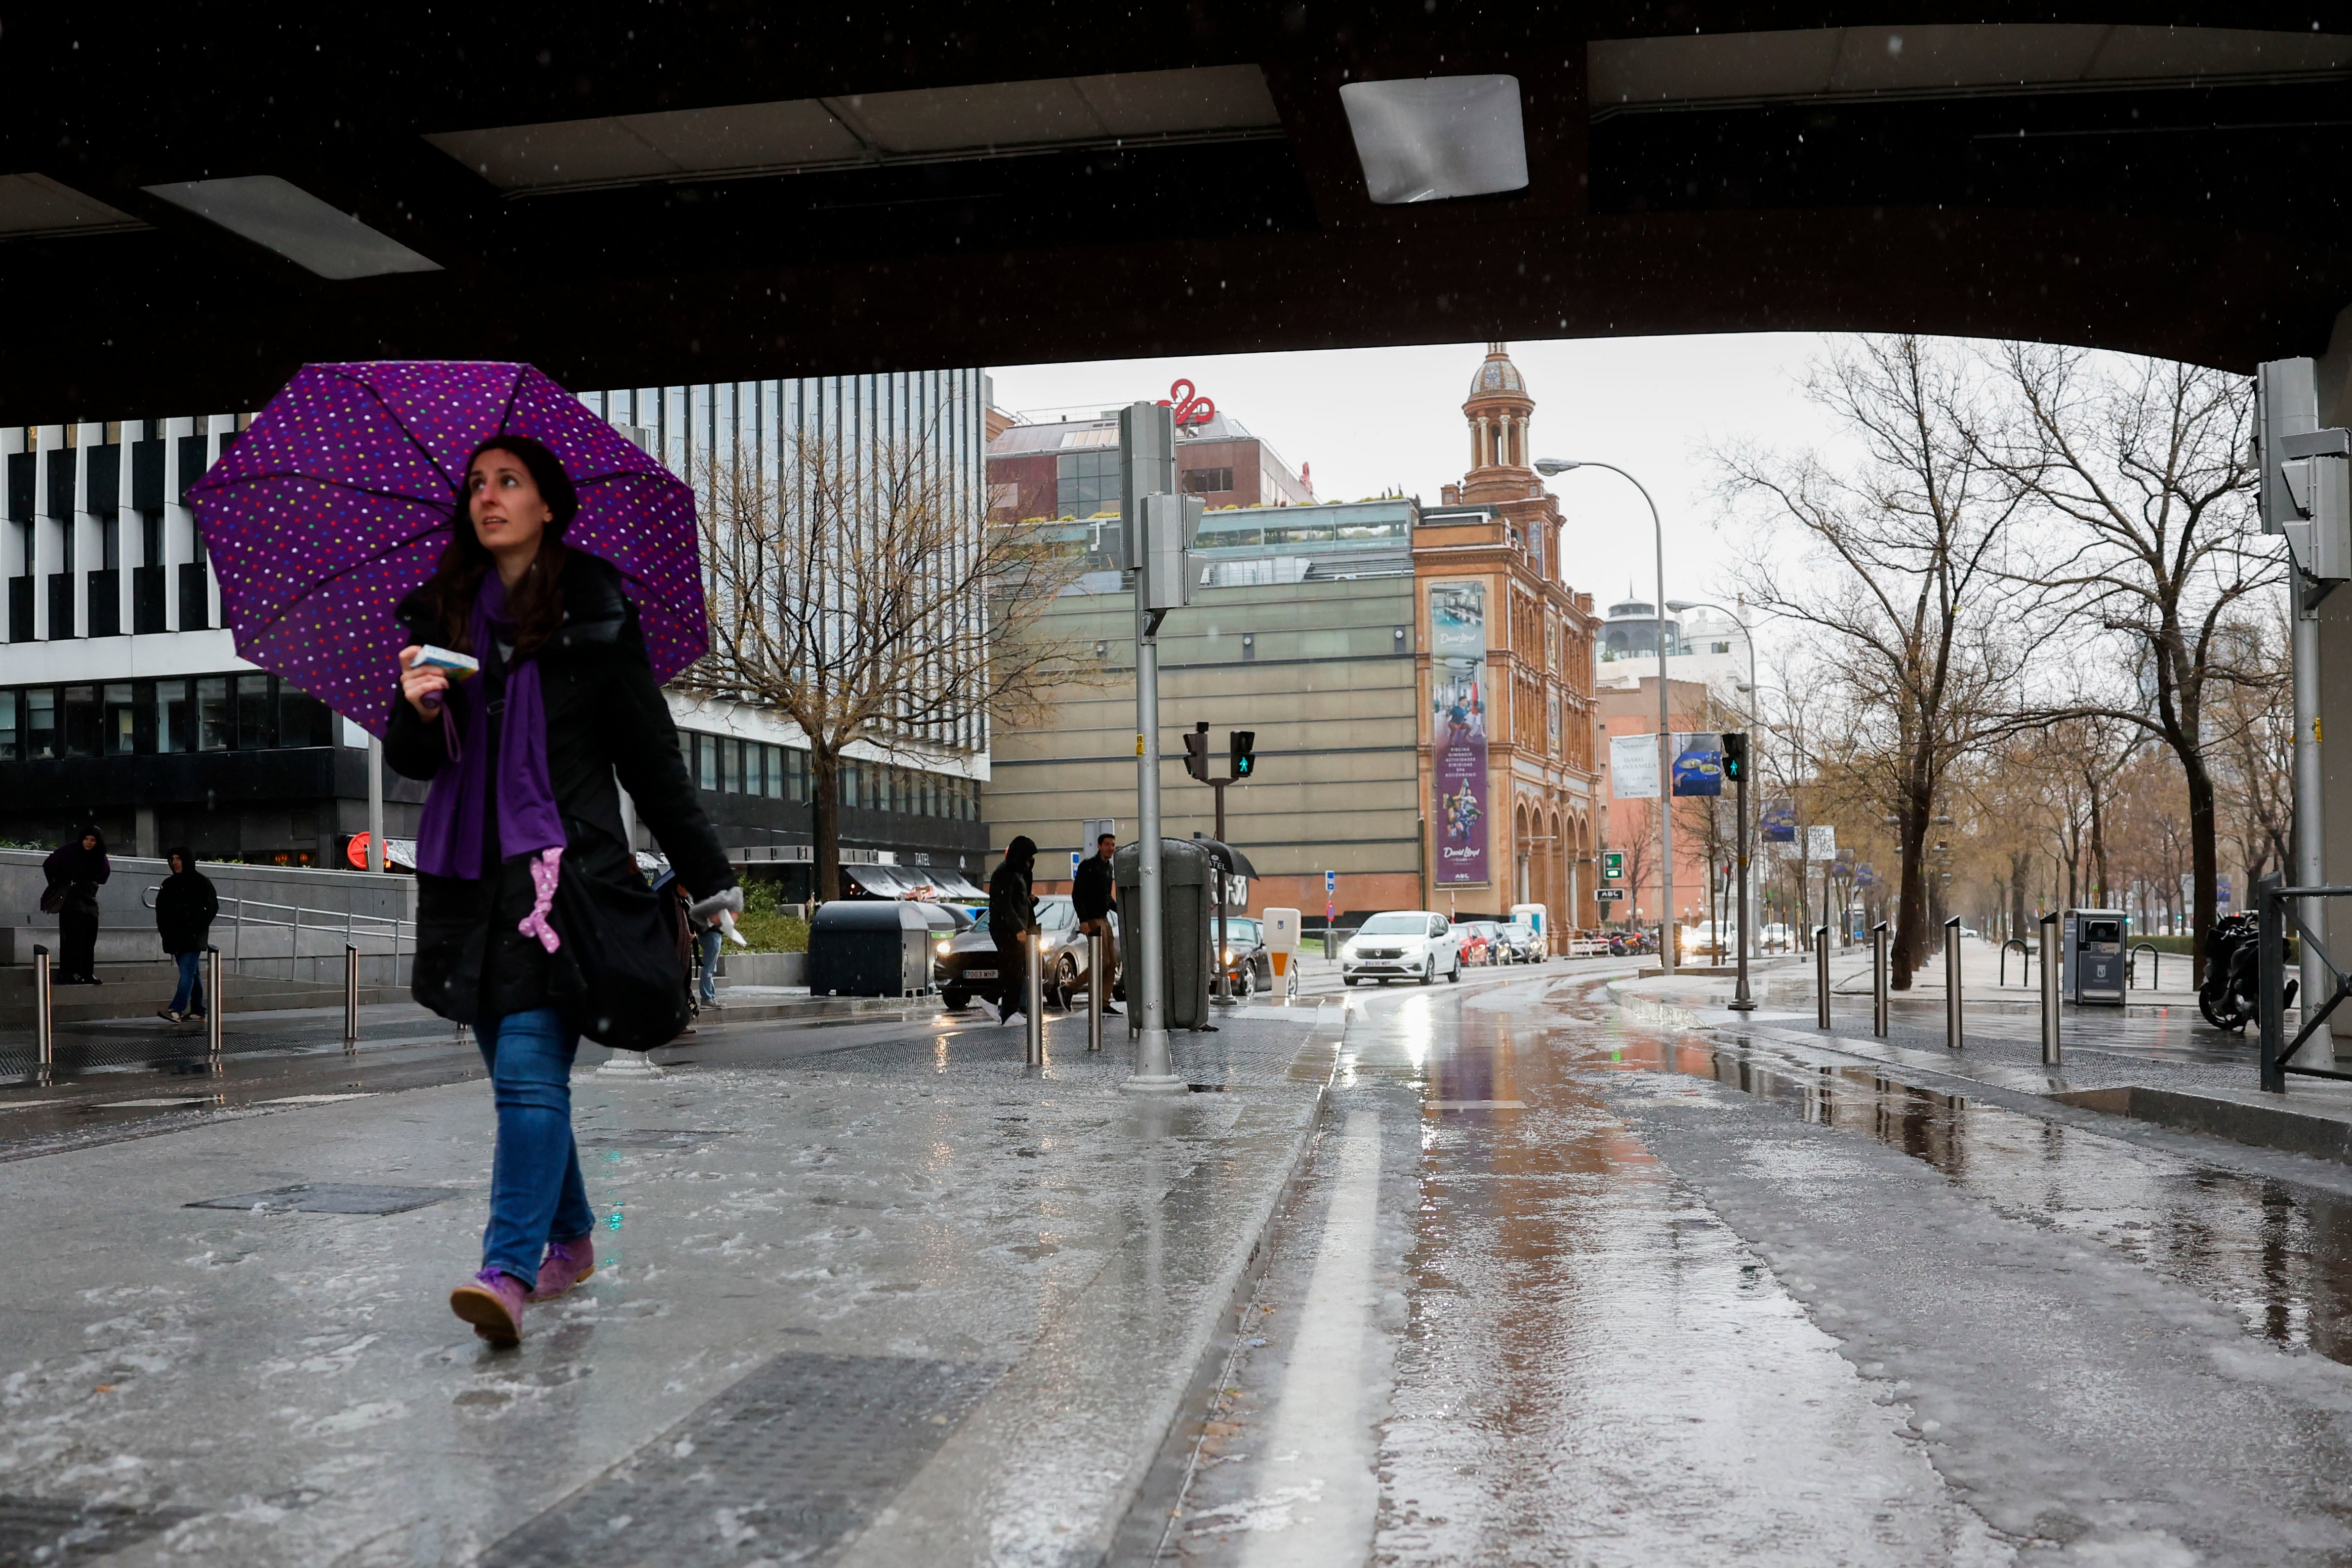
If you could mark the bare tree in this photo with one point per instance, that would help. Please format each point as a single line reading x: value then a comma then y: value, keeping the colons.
x: 860, y: 595
x: 2146, y: 468
x: 2254, y: 756
x: 1898, y: 572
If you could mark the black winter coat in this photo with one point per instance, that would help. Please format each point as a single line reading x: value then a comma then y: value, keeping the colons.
x: 185, y: 907
x: 604, y: 716
x: 1093, y: 893
x: 1011, y: 909
x: 78, y: 871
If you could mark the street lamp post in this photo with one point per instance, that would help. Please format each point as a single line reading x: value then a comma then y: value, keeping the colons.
x: 1549, y: 465
x: 1742, y: 1001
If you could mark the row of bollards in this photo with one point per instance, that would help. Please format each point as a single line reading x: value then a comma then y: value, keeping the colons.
x: 1881, y: 1004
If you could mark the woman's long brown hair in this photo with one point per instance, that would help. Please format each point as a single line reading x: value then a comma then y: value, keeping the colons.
x: 537, y: 601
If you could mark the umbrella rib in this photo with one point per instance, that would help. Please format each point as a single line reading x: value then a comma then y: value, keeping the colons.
x: 402, y: 425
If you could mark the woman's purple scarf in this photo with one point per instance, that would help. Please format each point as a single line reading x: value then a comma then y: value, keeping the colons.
x: 449, y: 834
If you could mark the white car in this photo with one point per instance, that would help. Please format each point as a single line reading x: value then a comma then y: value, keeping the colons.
x: 1402, y: 945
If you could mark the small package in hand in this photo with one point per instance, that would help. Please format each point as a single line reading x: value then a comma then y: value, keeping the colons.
x: 458, y: 665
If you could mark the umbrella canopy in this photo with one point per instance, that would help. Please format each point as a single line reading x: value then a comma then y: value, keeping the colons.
x: 1235, y: 863
x: 336, y: 503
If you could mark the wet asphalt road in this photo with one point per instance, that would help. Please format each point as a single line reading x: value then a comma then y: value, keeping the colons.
x: 1562, y: 1289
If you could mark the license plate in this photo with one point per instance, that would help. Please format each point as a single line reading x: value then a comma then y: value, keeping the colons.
x: 980, y: 974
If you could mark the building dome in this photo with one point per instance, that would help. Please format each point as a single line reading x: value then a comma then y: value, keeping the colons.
x: 1498, y: 374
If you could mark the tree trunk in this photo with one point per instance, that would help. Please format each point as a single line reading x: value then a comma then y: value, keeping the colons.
x: 2098, y: 852
x: 2020, y: 866
x: 1911, y: 897
x: 2205, y: 855
x: 824, y: 822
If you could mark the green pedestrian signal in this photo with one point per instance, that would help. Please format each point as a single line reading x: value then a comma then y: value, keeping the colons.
x: 1244, y: 752
x: 1734, y: 756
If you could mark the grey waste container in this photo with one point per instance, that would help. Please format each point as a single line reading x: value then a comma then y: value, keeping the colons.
x: 869, y: 947
x: 1185, y: 916
x: 2092, y: 943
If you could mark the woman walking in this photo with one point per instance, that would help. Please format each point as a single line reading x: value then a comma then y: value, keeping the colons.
x: 185, y: 908
x: 76, y: 869
x: 521, y: 758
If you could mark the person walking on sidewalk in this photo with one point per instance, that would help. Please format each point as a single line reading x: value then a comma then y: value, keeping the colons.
x: 1094, y: 898
x: 521, y: 758
x: 185, y: 907
x: 1012, y: 926
x: 74, y: 871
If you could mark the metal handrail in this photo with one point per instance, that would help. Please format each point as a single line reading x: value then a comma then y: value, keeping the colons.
x: 326, y: 922
x: 2270, y: 981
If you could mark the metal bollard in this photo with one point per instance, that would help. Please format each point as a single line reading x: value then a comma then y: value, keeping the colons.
x: 1878, y: 1005
x: 1034, y: 1001
x: 45, y: 1028
x: 216, y: 1005
x: 2050, y: 967
x: 1822, y: 974
x: 351, y: 997
x: 1098, y: 987
x: 1952, y: 982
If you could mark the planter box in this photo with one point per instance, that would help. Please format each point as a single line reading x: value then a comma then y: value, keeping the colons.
x: 763, y: 968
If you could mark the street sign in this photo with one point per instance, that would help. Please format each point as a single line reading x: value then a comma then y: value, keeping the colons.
x: 1612, y: 864
x: 1331, y: 883
x: 1609, y: 895
x: 1074, y: 859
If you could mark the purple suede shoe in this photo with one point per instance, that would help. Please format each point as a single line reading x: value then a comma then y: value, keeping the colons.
x: 491, y: 1301
x: 566, y: 1264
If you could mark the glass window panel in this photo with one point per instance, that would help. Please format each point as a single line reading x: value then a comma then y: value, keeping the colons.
x: 121, y: 721
x: 771, y: 771
x: 215, y: 721
x: 175, y: 727
x: 796, y: 773
x: 10, y: 738
x: 303, y: 719
x: 82, y: 721
x: 746, y: 760
x: 253, y: 714
x: 41, y: 722
x: 724, y: 749
x: 706, y: 761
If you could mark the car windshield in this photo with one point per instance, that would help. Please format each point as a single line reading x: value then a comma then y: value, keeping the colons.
x: 1516, y: 929
x: 1057, y: 916
x: 1243, y: 932
x: 1394, y: 926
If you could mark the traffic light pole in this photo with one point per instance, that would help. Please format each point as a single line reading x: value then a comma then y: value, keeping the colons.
x: 1148, y: 459
x: 1225, y: 983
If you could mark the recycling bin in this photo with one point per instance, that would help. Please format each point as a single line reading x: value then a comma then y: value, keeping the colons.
x: 2091, y: 943
x: 869, y: 947
x: 1186, y: 875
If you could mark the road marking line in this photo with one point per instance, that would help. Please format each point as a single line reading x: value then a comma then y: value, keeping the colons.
x: 1320, y: 1418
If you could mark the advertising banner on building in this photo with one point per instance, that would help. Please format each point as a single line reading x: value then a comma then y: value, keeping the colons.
x: 1457, y: 699
x: 1633, y: 766
x: 1699, y: 763
x: 1778, y: 822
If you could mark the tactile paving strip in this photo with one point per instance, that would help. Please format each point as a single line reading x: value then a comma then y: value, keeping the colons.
x: 56, y: 1533
x: 332, y: 1197
x: 784, y: 1467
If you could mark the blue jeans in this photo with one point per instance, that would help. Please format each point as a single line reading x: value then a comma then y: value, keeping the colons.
x: 190, y: 997
x: 536, y: 1192
x: 710, y: 965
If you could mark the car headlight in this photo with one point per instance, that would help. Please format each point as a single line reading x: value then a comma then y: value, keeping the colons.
x: 943, y: 949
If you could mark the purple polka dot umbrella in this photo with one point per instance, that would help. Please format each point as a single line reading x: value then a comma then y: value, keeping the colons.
x: 336, y: 503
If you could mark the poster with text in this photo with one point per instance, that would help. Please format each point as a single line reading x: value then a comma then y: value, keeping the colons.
x: 1457, y: 698
x: 1633, y: 766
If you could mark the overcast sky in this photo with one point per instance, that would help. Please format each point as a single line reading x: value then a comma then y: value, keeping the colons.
x: 1369, y: 420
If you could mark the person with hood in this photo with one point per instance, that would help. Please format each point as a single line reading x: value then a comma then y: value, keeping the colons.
x: 75, y: 870
x: 1094, y: 898
x: 521, y: 757
x: 1012, y: 925
x: 185, y: 907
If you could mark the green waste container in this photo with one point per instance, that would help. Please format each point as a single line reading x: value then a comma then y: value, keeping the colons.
x: 1185, y: 914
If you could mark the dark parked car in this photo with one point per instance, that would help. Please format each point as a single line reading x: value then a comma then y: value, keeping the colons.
x: 1520, y: 943
x: 1249, y: 967
x: 965, y: 965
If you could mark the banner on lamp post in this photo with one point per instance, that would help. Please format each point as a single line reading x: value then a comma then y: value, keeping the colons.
x: 1633, y: 766
x: 1699, y: 763
x: 1777, y: 822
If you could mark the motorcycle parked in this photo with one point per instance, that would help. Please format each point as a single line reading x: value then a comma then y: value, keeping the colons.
x: 2233, y: 971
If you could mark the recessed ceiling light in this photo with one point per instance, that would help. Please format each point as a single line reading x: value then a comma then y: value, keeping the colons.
x: 1429, y: 138
x: 282, y: 217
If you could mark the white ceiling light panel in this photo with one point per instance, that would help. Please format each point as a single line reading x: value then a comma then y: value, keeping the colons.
x: 280, y: 215
x: 1430, y: 139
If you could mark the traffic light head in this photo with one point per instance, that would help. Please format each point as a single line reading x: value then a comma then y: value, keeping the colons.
x: 1734, y: 756
x: 1244, y: 752
x: 1196, y: 751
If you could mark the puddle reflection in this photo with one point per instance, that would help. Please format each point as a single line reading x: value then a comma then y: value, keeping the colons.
x: 2280, y: 1254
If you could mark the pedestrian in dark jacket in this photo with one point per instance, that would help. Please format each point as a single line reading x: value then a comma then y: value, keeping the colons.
x: 185, y: 907
x: 76, y: 870
x: 1093, y: 899
x: 521, y: 758
x: 1011, y: 924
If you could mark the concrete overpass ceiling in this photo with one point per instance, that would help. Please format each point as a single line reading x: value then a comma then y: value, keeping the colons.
x: 647, y: 196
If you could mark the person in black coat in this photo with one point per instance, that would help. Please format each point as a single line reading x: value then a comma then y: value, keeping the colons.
x: 185, y: 907
x: 74, y: 871
x: 1094, y: 898
x: 522, y: 757
x: 1011, y: 921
